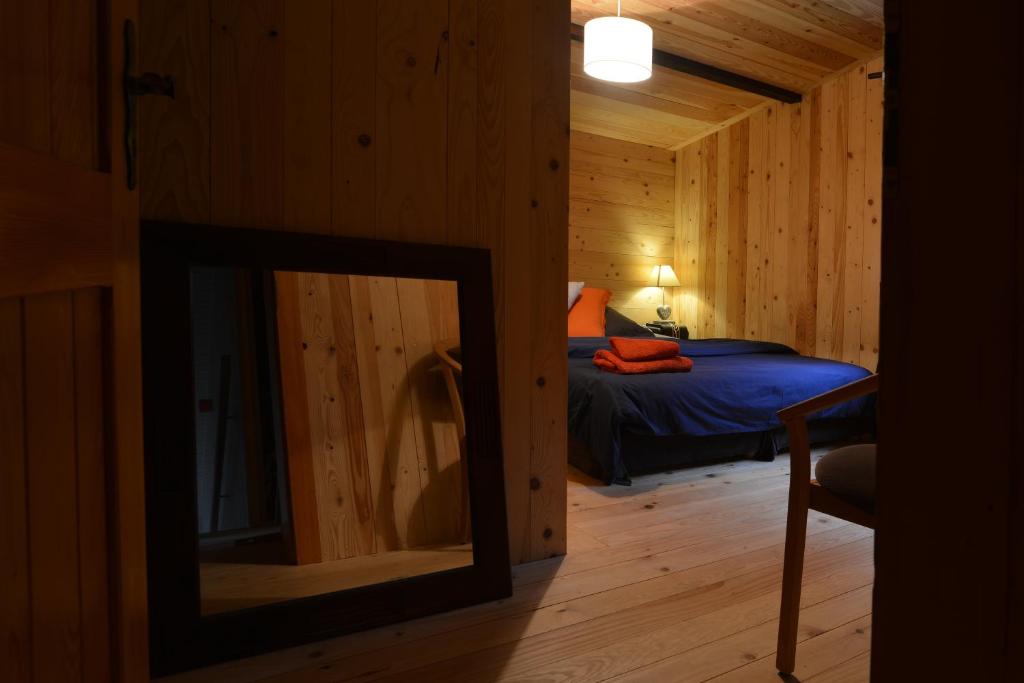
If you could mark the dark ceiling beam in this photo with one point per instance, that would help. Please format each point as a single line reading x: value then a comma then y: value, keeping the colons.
x: 711, y: 73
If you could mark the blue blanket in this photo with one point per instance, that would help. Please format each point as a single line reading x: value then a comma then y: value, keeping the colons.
x: 735, y: 386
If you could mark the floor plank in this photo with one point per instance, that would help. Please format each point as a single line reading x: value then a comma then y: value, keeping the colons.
x: 853, y: 670
x: 674, y: 579
x: 819, y: 650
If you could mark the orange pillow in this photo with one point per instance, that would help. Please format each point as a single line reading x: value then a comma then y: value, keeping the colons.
x: 586, y: 318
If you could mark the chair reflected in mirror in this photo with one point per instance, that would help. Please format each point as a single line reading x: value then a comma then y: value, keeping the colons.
x: 449, y: 356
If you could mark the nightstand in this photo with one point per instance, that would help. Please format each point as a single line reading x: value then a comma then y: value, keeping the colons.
x: 669, y: 328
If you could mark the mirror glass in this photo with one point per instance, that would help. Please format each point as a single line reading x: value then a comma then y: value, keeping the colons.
x: 329, y: 433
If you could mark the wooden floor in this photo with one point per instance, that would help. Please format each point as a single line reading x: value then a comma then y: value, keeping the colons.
x: 673, y: 579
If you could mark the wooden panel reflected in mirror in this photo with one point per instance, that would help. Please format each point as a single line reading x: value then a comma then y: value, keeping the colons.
x: 317, y: 461
x: 370, y: 488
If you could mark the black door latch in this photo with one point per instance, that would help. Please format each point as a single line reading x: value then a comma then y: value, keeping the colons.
x: 137, y: 86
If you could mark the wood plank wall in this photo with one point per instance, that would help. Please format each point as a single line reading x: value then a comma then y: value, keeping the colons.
x: 375, y: 414
x: 779, y: 223
x: 442, y: 121
x: 621, y: 219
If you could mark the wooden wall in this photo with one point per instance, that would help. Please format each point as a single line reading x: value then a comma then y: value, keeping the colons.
x: 779, y: 223
x: 442, y: 121
x: 621, y: 219
x: 367, y: 409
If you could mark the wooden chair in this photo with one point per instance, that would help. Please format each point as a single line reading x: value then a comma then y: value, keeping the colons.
x: 844, y: 489
x: 451, y: 369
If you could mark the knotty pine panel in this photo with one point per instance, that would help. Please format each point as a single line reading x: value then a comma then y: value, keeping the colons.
x: 548, y: 142
x: 247, y: 126
x: 790, y: 44
x: 794, y: 44
x: 440, y: 122
x: 513, y: 281
x: 377, y: 431
x: 333, y: 416
x: 174, y: 147
x: 621, y: 213
x: 792, y: 196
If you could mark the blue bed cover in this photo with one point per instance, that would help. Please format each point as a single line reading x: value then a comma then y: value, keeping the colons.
x: 735, y: 386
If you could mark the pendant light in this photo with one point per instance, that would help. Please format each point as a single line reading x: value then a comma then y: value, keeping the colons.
x: 617, y: 49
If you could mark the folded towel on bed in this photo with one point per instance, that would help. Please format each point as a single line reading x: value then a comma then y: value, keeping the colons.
x: 633, y: 349
x: 608, y: 361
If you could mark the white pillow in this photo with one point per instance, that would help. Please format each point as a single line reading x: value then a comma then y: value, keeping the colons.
x: 574, y: 292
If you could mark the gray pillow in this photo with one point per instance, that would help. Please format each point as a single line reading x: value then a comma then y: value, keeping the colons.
x: 618, y: 325
x: 574, y: 293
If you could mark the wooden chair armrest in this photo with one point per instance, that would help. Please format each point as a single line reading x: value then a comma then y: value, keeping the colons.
x: 847, y: 392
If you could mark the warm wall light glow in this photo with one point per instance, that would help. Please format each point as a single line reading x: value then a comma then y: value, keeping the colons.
x: 617, y: 49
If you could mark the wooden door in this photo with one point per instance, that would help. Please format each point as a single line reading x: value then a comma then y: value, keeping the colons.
x: 71, y: 516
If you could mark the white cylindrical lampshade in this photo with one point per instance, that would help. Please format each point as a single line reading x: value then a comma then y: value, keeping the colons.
x: 617, y: 49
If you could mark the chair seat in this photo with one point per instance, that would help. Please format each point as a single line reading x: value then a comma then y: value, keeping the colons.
x: 849, y: 474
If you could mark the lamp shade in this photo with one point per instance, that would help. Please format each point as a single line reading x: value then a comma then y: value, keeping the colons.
x: 664, y: 276
x: 617, y: 49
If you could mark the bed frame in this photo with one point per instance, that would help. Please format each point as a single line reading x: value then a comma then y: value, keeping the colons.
x: 651, y: 454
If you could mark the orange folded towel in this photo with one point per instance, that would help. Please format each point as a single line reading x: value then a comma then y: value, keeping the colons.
x: 608, y: 361
x: 632, y: 349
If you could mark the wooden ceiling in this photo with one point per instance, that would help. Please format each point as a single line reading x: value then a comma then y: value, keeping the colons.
x: 794, y: 44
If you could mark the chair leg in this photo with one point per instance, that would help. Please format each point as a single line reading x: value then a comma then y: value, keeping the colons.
x: 792, y: 577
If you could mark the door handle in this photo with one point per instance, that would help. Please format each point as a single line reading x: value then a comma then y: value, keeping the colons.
x: 137, y: 86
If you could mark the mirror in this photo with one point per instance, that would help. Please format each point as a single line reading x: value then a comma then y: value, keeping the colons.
x: 359, y: 376
x: 322, y: 443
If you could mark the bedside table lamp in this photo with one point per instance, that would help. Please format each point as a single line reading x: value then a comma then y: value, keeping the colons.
x: 664, y: 276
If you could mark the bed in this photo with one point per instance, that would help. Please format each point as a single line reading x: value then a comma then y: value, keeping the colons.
x: 724, y: 408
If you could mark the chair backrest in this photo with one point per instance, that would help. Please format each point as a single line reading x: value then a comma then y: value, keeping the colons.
x: 811, y: 494
x: 449, y: 354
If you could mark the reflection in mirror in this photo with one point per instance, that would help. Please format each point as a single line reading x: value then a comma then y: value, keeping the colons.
x: 329, y: 433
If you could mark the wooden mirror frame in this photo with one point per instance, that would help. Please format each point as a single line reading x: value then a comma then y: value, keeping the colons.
x: 180, y: 638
